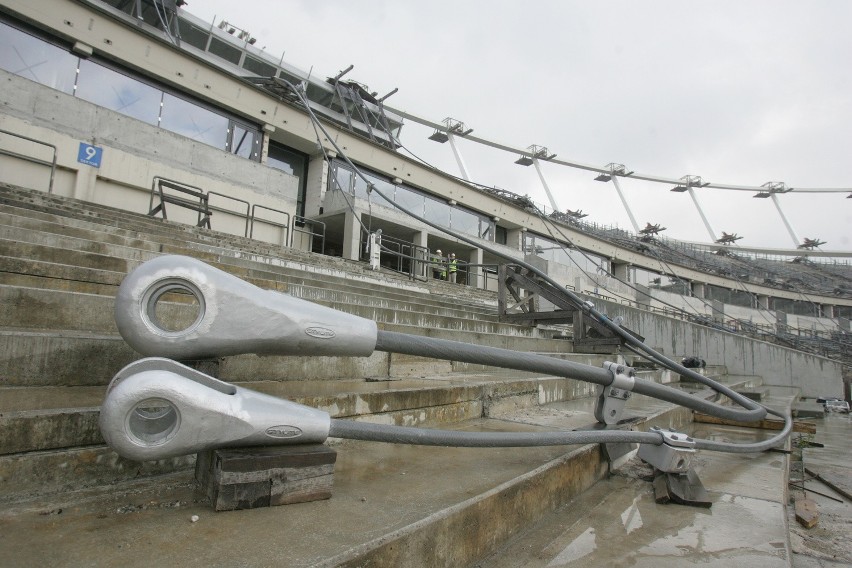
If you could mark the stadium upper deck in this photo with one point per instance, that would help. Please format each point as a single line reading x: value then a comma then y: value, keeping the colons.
x: 129, y: 94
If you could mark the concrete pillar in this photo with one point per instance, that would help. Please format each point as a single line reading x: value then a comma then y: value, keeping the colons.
x: 698, y: 289
x: 84, y: 183
x: 351, y: 236
x: 620, y: 270
x: 475, y: 276
x: 514, y: 238
x: 718, y: 311
x: 421, y: 239
x: 781, y: 321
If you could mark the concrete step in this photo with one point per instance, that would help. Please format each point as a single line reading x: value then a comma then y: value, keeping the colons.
x: 412, y: 506
x: 58, y: 210
x: 76, y: 358
x: 38, y: 308
x: 39, y: 424
x: 51, y: 417
x: 618, y: 522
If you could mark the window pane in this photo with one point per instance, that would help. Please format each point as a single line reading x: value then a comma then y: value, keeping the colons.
x: 438, y: 212
x: 361, y: 188
x: 107, y: 88
x: 244, y: 142
x: 183, y: 117
x: 225, y: 51
x: 258, y: 67
x: 344, y: 180
x: 34, y: 59
x: 465, y: 222
x: 192, y: 35
x: 282, y: 159
x: 410, y: 200
x: 387, y: 189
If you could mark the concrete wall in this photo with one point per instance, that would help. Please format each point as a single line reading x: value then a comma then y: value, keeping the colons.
x: 777, y: 365
x: 133, y: 154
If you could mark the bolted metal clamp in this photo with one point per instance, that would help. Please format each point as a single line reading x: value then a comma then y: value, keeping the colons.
x: 674, y: 455
x: 613, y: 397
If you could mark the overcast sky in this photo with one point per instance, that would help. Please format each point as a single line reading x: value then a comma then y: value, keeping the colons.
x: 738, y: 92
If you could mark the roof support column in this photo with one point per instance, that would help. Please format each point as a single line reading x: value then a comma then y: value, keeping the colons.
x: 544, y: 185
x: 796, y: 240
x: 624, y: 202
x: 707, y: 226
x: 459, y: 159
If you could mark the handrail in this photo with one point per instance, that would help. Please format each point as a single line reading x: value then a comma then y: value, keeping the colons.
x: 285, y: 225
x: 305, y: 221
x: 31, y: 159
x: 202, y: 207
x: 221, y: 210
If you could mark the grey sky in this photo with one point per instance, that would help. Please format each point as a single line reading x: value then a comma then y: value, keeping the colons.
x: 736, y: 92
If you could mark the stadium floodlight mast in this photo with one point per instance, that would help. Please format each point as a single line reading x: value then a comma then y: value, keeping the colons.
x: 451, y: 129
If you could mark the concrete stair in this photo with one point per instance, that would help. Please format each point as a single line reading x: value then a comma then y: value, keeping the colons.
x: 61, y: 262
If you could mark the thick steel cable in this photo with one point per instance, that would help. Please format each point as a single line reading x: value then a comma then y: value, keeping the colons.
x: 394, y: 342
x: 392, y: 434
x: 754, y: 410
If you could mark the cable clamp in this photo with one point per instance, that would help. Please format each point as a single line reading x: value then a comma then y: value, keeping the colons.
x: 674, y: 455
x: 613, y: 397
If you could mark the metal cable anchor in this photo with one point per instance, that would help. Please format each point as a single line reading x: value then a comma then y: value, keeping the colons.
x: 673, y: 456
x: 156, y: 408
x: 613, y: 397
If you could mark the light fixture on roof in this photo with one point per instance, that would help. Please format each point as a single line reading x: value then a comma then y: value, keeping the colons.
x: 535, y: 152
x: 452, y: 127
x: 613, y: 170
x: 689, y: 181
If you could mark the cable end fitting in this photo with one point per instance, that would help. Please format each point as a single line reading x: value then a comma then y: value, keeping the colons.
x: 674, y: 455
x: 613, y: 397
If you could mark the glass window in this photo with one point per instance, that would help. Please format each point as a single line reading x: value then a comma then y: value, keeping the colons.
x: 466, y: 222
x: 293, y: 163
x: 438, y: 212
x: 107, y: 88
x: 192, y: 35
x: 244, y: 142
x: 501, y: 235
x: 225, y: 50
x: 343, y: 178
x: 190, y: 120
x: 361, y: 188
x: 258, y: 67
x: 410, y: 200
x: 387, y: 189
x: 34, y: 59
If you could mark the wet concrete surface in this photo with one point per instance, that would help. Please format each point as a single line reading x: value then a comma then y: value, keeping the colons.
x: 618, y: 522
x: 383, y: 489
x: 378, y: 489
x: 829, y: 543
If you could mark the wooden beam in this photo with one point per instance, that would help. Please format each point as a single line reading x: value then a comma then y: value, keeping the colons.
x: 767, y: 424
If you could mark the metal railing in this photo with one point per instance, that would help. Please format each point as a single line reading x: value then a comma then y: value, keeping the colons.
x: 198, y: 203
x: 245, y: 215
x: 299, y: 224
x: 285, y: 225
x: 31, y: 159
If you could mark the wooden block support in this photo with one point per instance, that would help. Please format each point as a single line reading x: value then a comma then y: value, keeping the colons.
x: 767, y: 424
x: 806, y: 513
x: 248, y: 478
